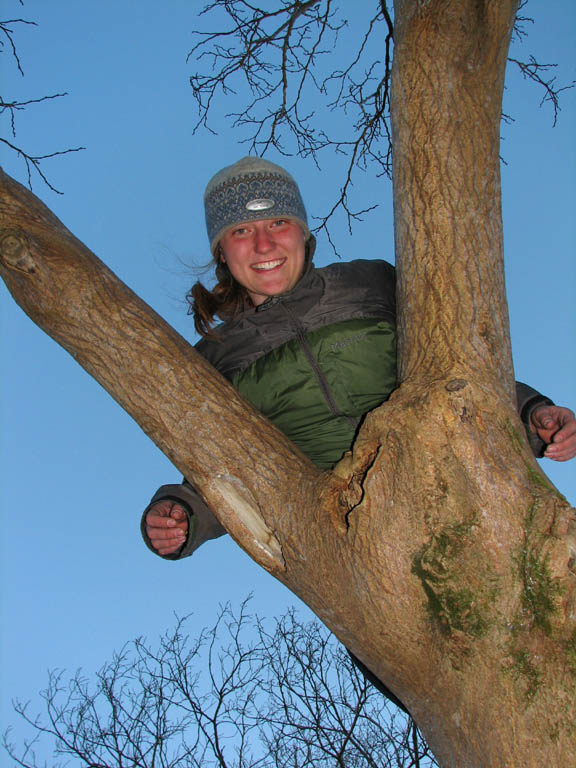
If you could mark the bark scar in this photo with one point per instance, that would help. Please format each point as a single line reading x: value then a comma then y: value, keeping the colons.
x: 242, y: 517
x: 354, y: 468
x: 15, y: 253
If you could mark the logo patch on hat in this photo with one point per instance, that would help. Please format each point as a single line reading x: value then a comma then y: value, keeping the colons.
x: 259, y: 204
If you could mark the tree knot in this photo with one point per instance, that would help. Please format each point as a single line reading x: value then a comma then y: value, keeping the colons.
x: 455, y: 385
x: 15, y: 253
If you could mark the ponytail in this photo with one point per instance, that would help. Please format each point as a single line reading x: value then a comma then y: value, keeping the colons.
x: 226, y: 299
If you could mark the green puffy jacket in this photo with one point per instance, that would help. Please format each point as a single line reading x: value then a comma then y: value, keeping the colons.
x: 313, y: 361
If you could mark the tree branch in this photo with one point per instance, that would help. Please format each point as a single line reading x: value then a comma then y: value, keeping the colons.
x: 536, y: 72
x: 71, y: 295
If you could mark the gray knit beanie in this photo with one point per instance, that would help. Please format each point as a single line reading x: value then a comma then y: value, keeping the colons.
x: 249, y: 190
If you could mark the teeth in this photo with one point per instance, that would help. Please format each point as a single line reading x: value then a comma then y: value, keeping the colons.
x: 268, y: 264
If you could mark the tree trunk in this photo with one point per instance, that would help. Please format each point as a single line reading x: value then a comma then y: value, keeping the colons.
x: 437, y: 551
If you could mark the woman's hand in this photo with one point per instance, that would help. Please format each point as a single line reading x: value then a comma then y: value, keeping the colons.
x: 166, y: 526
x: 556, y: 426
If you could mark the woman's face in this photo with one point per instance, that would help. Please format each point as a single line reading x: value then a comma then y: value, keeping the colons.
x: 265, y: 256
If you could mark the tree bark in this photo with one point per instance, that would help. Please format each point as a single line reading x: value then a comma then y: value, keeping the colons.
x: 500, y: 541
x: 448, y: 79
x: 437, y: 550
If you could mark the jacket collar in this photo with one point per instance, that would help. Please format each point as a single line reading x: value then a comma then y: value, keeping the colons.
x: 309, y: 286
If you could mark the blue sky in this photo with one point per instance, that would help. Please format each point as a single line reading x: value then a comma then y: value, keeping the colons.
x: 76, y: 470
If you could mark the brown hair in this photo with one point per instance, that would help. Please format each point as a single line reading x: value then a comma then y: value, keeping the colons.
x: 224, y: 300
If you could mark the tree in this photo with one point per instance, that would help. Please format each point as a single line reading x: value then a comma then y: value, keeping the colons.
x: 240, y: 694
x: 463, y: 560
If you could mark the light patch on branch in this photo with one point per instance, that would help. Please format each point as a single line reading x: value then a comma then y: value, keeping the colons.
x: 241, y: 516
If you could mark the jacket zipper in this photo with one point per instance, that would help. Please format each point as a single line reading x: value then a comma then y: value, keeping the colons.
x: 328, y: 396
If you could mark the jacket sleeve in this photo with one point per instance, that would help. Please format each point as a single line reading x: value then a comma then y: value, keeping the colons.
x: 202, y: 525
x: 528, y: 399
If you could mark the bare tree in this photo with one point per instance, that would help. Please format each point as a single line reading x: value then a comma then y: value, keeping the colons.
x: 302, y: 61
x: 10, y: 107
x: 245, y: 694
x: 436, y: 551
x: 288, y: 59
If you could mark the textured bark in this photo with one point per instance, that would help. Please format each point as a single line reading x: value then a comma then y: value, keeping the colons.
x: 448, y: 79
x: 437, y: 551
x: 498, y: 542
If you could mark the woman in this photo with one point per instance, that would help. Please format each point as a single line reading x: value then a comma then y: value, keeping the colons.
x: 295, y: 338
x: 312, y: 349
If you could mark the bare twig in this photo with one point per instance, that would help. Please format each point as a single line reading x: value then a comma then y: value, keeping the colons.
x: 289, y: 61
x: 7, y: 35
x: 536, y: 72
x: 32, y: 161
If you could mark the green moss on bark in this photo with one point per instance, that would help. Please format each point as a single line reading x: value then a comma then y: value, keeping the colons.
x: 439, y: 566
x: 571, y: 652
x: 524, y: 670
x: 518, y: 443
x: 540, y: 589
x: 537, y: 481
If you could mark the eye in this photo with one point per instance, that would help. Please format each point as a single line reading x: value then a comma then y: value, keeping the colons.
x: 279, y: 223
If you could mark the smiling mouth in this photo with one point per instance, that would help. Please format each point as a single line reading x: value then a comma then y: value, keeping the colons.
x: 264, y: 266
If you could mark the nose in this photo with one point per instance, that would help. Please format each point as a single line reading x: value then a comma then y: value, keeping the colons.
x: 263, y: 241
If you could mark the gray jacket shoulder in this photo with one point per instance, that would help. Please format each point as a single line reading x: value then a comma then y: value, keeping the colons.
x: 326, y: 295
